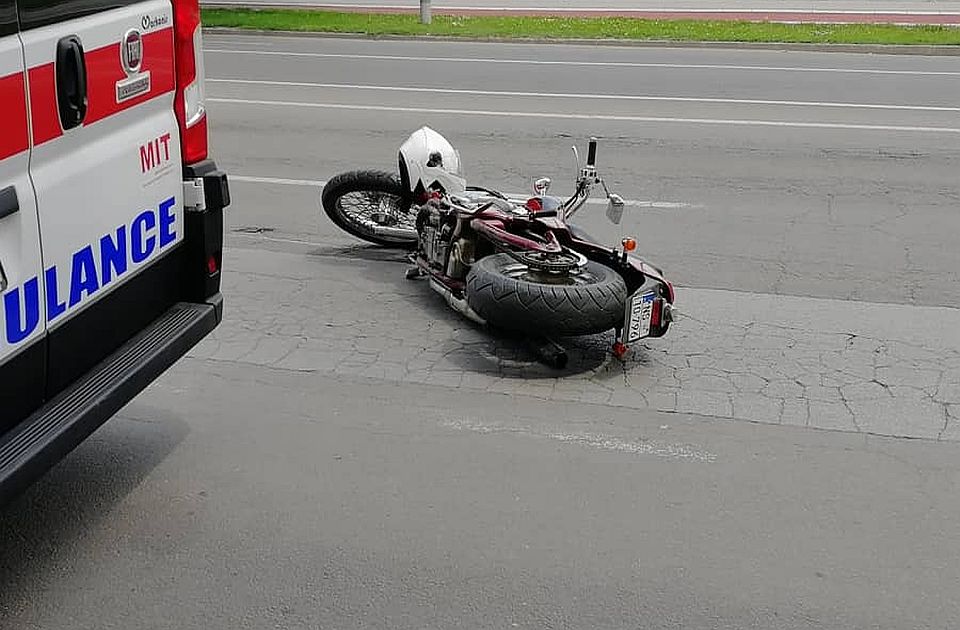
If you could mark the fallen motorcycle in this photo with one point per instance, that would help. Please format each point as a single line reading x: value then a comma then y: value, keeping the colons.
x: 514, y: 264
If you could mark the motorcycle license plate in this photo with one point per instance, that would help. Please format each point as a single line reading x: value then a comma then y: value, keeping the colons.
x: 639, y: 314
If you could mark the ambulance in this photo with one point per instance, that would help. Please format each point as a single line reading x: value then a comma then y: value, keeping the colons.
x: 111, y: 216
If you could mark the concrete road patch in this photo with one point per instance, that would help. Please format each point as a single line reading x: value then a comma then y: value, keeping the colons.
x: 819, y: 363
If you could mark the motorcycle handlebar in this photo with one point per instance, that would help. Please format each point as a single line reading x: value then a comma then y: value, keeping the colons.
x: 543, y: 214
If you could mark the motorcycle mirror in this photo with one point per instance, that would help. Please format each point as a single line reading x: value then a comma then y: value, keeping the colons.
x: 541, y: 186
x: 615, y: 206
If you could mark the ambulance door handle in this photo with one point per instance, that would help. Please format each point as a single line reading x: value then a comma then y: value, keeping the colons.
x: 71, y: 82
x: 9, y: 204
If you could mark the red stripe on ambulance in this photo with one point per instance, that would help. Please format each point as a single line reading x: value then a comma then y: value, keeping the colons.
x: 104, y: 71
x: 13, y: 124
x: 43, y: 104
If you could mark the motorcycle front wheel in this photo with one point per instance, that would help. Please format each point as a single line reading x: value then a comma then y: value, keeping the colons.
x: 512, y: 296
x: 370, y: 206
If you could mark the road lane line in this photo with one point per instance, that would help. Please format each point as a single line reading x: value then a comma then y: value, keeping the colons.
x: 599, y: 441
x: 623, y: 97
x: 318, y: 183
x: 612, y: 64
x: 604, y: 117
x: 250, y: 179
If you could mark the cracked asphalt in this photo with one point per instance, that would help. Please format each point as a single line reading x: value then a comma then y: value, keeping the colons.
x: 862, y: 372
x: 346, y: 452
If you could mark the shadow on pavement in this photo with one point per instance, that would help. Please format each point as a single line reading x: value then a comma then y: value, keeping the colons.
x: 370, y: 253
x: 42, y: 531
x: 487, y: 351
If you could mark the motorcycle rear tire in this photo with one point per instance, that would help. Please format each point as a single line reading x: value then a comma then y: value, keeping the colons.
x: 361, y: 182
x: 595, y: 304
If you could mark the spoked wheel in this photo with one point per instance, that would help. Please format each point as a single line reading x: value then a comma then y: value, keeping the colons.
x: 511, y: 295
x: 370, y: 206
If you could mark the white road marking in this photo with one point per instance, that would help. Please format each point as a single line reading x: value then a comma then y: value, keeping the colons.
x: 250, y: 179
x: 660, y: 205
x: 612, y: 64
x: 595, y: 117
x: 612, y: 97
x: 318, y: 183
x: 598, y: 441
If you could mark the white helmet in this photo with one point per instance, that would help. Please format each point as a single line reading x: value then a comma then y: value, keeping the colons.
x: 428, y: 161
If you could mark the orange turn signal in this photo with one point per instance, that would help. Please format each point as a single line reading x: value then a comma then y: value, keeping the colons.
x: 629, y: 244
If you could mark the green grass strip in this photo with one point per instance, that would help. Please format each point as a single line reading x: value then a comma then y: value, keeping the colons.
x: 580, y: 28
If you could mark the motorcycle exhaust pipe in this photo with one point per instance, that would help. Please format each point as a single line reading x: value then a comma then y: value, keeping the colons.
x: 457, y: 304
x: 395, y: 232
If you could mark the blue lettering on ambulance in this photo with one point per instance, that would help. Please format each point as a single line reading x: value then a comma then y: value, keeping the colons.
x: 55, y: 308
x: 22, y: 320
x: 166, y: 222
x: 21, y: 305
x: 141, y: 249
x: 83, y: 277
x: 113, y: 255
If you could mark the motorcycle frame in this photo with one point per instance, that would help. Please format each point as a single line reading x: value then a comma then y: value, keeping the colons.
x: 498, y: 229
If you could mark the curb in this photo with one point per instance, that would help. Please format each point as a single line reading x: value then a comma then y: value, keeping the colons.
x: 875, y: 49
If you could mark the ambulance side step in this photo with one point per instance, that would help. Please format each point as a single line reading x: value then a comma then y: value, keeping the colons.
x: 43, y: 439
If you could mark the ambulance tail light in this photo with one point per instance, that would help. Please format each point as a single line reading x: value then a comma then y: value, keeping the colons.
x: 189, y: 102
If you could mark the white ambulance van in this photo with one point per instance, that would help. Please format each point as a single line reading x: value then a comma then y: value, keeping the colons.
x: 111, y: 215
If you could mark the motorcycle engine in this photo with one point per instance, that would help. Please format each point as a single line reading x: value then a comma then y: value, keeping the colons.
x: 436, y: 226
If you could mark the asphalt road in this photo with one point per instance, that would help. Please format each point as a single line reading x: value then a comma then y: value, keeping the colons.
x: 805, y: 174
x: 345, y: 452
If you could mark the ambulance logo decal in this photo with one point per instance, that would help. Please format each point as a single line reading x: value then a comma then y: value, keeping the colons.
x: 131, y: 58
x: 131, y: 53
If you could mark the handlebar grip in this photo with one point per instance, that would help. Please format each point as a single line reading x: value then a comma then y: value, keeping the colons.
x: 592, y: 153
x: 543, y: 214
